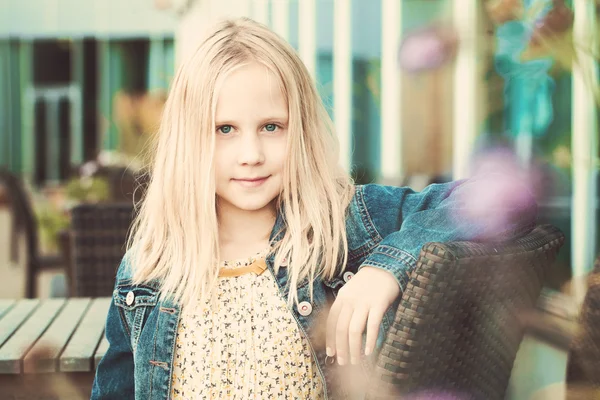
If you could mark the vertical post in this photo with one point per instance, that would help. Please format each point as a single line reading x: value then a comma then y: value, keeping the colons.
x: 391, y: 93
x: 15, y: 106
x: 465, y: 107
x: 5, y: 103
x: 27, y: 145
x: 584, y: 144
x: 104, y: 94
x: 106, y: 133
x: 260, y: 11
x: 242, y: 8
x: 280, y: 20
x: 75, y: 100
x: 201, y: 15
x: 307, y: 35
x: 52, y: 99
x: 156, y: 64
x: 342, y: 78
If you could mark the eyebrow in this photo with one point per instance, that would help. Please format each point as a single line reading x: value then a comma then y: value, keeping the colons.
x: 228, y: 121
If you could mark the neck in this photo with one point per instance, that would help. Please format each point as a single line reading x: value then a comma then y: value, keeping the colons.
x: 243, y: 233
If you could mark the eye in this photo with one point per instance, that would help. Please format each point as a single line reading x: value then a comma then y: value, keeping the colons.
x: 271, y: 127
x: 225, y: 129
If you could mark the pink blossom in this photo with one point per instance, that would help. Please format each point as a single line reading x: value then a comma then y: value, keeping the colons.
x: 427, y: 49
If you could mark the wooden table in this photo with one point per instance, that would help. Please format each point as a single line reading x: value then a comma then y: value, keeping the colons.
x: 49, y: 349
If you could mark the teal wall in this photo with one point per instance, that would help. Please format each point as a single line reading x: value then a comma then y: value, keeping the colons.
x: 112, y: 64
x: 11, y: 93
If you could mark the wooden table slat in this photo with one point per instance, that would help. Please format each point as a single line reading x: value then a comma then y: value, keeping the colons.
x: 18, y: 345
x: 42, y: 357
x: 15, y: 317
x: 5, y: 305
x: 79, y: 354
x: 101, y: 351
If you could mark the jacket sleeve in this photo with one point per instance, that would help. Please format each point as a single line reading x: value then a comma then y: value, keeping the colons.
x: 114, y: 378
x: 492, y: 207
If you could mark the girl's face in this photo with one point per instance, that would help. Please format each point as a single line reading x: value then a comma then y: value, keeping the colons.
x: 251, y: 144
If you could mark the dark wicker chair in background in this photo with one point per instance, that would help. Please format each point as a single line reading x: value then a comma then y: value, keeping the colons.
x: 24, y: 222
x: 457, y: 327
x: 98, y: 238
x: 583, y: 366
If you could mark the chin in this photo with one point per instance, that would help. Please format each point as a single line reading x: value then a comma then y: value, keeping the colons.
x: 251, y: 206
x: 250, y: 203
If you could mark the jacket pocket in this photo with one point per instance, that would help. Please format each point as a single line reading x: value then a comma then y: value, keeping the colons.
x: 134, y: 304
x: 130, y: 297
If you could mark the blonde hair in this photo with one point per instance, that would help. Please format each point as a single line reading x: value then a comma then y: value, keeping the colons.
x: 174, y: 237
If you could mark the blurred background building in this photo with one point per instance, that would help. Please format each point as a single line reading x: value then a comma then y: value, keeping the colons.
x: 67, y: 67
x: 418, y: 90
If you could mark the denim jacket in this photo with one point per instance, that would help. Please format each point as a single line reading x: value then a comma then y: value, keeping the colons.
x: 386, y: 228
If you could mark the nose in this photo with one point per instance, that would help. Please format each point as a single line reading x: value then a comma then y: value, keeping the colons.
x: 251, y: 150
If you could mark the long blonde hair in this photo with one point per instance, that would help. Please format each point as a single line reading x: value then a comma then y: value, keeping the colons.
x: 174, y: 237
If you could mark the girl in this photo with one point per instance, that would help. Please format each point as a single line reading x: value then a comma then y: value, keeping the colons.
x: 250, y: 230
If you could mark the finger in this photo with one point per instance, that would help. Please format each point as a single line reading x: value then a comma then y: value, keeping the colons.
x: 332, y: 319
x: 341, y: 334
x: 355, y: 332
x: 374, y: 321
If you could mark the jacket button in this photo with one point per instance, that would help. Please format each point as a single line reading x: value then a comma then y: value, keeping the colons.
x: 347, y: 276
x: 304, y: 308
x: 130, y: 298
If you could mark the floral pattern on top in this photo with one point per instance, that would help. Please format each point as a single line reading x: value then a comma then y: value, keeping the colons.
x: 248, y: 347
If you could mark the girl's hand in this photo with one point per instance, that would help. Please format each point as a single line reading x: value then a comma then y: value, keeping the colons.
x: 361, y: 302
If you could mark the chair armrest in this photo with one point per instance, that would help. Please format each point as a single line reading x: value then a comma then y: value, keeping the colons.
x: 457, y: 327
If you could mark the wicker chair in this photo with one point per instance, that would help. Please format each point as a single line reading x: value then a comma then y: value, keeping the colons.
x: 457, y: 327
x: 24, y: 222
x: 98, y: 238
x: 583, y: 367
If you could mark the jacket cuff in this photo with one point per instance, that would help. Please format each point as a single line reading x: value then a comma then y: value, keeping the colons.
x: 399, y: 263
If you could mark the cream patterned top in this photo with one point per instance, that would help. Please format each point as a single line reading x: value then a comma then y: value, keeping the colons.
x: 249, y: 347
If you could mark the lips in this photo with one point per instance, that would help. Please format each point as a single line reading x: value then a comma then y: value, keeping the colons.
x: 251, y: 182
x: 260, y: 178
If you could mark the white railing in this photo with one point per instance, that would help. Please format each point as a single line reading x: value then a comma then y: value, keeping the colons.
x: 465, y: 104
x: 260, y: 11
x: 584, y: 142
x: 391, y: 105
x: 342, y: 78
x: 307, y: 40
x: 280, y: 22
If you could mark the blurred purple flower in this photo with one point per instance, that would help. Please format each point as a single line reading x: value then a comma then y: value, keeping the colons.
x: 501, y: 199
x: 427, y: 49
